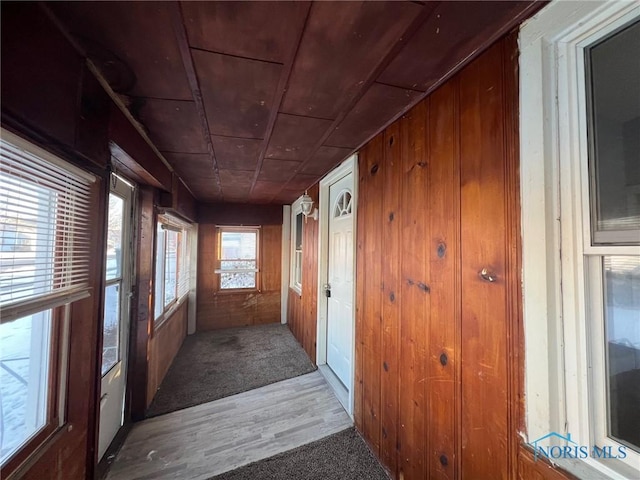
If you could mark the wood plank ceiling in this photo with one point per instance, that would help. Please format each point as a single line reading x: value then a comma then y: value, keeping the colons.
x: 253, y: 102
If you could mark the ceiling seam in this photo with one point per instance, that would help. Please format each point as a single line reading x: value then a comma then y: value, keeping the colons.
x: 187, y: 60
x: 410, y: 31
x: 280, y: 93
x: 273, y: 62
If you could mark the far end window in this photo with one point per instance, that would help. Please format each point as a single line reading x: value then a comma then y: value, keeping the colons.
x: 237, y: 258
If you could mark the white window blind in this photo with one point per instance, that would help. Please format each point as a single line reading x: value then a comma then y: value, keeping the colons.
x: 183, y: 250
x: 44, y: 229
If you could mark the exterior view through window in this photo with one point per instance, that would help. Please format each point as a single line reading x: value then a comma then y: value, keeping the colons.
x: 44, y: 240
x: 172, y: 263
x: 114, y: 271
x: 238, y: 258
x: 613, y: 70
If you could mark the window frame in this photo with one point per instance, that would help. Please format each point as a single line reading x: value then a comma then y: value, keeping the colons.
x: 185, y: 230
x: 220, y: 229
x: 564, y: 374
x: 60, y: 305
x: 294, y: 267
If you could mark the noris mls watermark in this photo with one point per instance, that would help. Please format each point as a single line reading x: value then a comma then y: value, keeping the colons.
x: 571, y: 449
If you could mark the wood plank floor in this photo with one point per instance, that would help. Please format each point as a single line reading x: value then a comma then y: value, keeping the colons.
x: 209, y: 439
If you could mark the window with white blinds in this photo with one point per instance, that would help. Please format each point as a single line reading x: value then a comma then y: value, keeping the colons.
x: 44, y: 229
x: 172, y: 262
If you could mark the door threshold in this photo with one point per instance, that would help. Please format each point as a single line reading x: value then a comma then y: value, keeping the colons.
x: 340, y: 391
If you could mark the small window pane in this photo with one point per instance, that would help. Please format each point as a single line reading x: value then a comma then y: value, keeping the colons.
x: 24, y: 379
x: 114, y: 237
x: 622, y: 322
x: 170, y: 267
x: 159, y: 280
x: 238, y: 245
x: 111, y: 328
x: 237, y: 280
x: 614, y: 133
x: 299, y: 231
x: 237, y: 264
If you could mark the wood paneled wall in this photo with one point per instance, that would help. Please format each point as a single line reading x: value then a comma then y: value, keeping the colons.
x: 163, y: 347
x: 237, y: 309
x: 438, y: 365
x: 302, y: 309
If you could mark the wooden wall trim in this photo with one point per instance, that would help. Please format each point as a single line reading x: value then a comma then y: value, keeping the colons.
x: 142, y: 311
x: 139, y: 156
x: 515, y: 327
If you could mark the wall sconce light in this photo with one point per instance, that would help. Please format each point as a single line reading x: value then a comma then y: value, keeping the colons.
x: 307, y: 207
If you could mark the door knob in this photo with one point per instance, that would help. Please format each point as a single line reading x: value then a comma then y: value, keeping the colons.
x: 327, y: 290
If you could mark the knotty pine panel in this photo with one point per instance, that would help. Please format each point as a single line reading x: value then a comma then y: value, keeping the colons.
x: 218, y: 310
x: 414, y: 320
x: 389, y: 394
x: 483, y: 245
x: 372, y: 182
x: 444, y: 260
x: 435, y: 396
x: 302, y: 309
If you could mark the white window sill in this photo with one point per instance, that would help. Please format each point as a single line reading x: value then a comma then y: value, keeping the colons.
x: 591, y: 469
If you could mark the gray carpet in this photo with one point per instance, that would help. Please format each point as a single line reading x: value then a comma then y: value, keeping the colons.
x: 216, y: 364
x: 342, y: 456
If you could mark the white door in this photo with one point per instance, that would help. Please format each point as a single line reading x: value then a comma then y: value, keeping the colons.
x: 339, y: 290
x: 115, y: 325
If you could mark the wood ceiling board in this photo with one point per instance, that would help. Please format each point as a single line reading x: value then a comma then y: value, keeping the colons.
x: 238, y: 94
x: 287, y: 197
x: 266, y: 188
x: 324, y: 159
x: 191, y: 166
x: 259, y: 30
x: 276, y: 170
x: 300, y: 182
x: 260, y: 198
x: 453, y: 32
x: 235, y: 178
x: 374, y: 110
x: 342, y: 45
x: 140, y: 34
x: 236, y: 153
x: 173, y: 125
x: 295, y: 137
x: 204, y: 193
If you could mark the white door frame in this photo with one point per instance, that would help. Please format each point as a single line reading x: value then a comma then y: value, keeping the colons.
x: 350, y: 165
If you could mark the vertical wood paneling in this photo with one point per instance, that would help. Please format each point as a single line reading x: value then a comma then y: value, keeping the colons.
x: 483, y: 349
x: 438, y: 348
x: 392, y: 297
x: 270, y: 240
x: 415, y: 293
x: 444, y: 253
x: 373, y: 165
